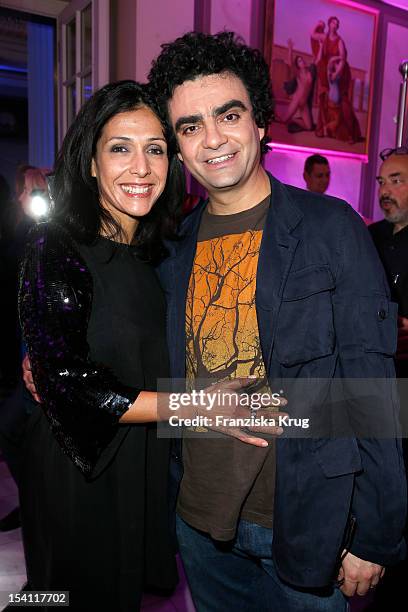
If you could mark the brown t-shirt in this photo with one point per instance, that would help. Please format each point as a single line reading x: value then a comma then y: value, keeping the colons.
x: 225, y: 479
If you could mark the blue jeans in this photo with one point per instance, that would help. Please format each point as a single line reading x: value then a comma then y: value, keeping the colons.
x: 240, y: 575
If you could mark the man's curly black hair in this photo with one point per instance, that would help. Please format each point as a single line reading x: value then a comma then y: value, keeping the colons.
x: 195, y: 54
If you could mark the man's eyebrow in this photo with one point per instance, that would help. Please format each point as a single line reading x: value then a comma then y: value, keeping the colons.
x: 219, y: 110
x: 227, y: 106
x: 187, y: 119
x: 393, y: 175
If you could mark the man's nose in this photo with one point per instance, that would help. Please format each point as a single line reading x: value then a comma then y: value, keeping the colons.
x: 384, y: 190
x: 214, y: 136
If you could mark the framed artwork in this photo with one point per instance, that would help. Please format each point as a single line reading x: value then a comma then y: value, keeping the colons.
x: 321, y: 55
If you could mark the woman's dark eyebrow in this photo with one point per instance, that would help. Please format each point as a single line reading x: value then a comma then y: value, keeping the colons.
x: 126, y: 138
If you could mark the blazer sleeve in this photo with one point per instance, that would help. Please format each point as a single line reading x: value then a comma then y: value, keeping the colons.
x: 82, y: 400
x: 366, y: 329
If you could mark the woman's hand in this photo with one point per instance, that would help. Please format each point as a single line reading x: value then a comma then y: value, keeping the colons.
x: 28, y: 378
x: 228, y: 409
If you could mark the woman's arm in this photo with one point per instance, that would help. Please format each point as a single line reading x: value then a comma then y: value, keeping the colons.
x: 82, y: 400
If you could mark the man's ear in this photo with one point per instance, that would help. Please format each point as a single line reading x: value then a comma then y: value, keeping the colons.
x: 93, y: 168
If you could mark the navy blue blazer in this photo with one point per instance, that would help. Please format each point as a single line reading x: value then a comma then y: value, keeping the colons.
x: 323, y: 312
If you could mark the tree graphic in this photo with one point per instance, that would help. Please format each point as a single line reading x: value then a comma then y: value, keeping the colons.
x: 222, y: 336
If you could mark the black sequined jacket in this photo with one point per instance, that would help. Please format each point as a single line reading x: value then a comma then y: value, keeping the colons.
x: 82, y: 400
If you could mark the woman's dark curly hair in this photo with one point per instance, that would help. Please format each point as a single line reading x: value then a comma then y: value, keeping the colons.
x: 196, y: 54
x: 75, y: 195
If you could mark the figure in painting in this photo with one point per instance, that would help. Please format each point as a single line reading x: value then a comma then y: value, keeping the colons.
x: 336, y: 117
x: 301, y: 88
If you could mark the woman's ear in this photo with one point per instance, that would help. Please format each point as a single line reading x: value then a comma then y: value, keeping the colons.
x: 93, y: 168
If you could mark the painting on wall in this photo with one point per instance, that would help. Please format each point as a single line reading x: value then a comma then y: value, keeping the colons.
x: 321, y: 57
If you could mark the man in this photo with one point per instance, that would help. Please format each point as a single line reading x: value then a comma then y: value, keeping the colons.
x: 268, y: 280
x: 391, y: 239
x: 317, y: 173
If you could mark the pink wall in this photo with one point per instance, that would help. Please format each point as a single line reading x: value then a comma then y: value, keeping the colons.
x: 124, y: 27
x: 346, y: 173
x: 159, y: 21
x: 232, y: 15
x: 140, y: 27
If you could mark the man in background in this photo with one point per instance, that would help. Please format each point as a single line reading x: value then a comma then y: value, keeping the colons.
x: 317, y: 173
x: 391, y: 239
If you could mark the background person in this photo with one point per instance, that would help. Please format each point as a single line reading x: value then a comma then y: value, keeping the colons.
x: 391, y: 239
x: 316, y: 173
x: 15, y: 403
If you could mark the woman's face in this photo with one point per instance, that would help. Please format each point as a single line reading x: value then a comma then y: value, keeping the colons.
x: 130, y: 165
x: 334, y: 25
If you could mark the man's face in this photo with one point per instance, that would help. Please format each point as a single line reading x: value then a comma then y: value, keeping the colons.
x: 393, y: 190
x: 319, y: 178
x: 217, y: 136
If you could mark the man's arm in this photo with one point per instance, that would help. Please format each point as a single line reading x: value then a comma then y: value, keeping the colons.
x: 365, y: 322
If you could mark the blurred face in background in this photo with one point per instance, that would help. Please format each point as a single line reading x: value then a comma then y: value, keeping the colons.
x: 34, y: 179
x: 318, y: 180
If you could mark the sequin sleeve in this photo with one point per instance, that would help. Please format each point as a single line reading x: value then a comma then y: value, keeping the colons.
x: 83, y: 401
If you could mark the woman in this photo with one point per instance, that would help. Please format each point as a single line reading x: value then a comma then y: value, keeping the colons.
x: 94, y: 490
x: 93, y: 317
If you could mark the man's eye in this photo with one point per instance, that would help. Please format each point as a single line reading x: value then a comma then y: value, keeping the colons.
x: 397, y: 181
x: 231, y: 117
x: 189, y: 129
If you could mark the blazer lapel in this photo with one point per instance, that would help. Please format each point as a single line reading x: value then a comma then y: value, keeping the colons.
x: 181, y: 266
x: 278, y: 247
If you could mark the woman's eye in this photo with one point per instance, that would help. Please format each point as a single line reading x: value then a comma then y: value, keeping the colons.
x: 156, y: 151
x: 119, y: 149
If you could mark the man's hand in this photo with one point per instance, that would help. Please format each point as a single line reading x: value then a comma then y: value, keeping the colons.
x: 402, y: 345
x: 28, y: 379
x: 357, y: 576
